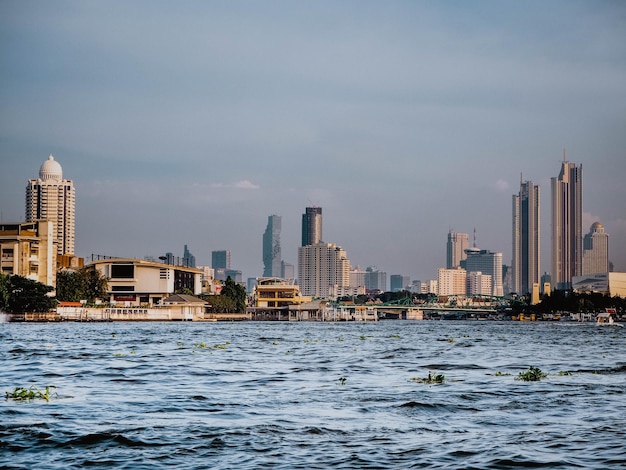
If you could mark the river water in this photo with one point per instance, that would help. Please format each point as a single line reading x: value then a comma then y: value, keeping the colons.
x: 313, y: 395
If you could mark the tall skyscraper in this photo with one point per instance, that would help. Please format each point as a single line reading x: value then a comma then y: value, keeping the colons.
x: 188, y: 258
x: 220, y: 259
x: 455, y: 249
x: 526, y: 266
x: 596, y: 250
x: 271, y: 247
x: 52, y: 198
x: 567, y: 214
x: 486, y: 262
x: 312, y: 226
x: 321, y: 267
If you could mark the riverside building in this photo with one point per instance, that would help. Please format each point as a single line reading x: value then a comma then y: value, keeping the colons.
x: 486, y: 262
x: 322, y: 267
x: 52, y: 198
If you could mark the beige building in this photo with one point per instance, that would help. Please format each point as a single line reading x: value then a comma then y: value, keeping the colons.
x: 596, y: 250
x: 452, y: 281
x: 613, y: 284
x: 28, y: 249
x: 322, y: 266
x: 274, y: 292
x: 52, y: 198
x: 134, y: 282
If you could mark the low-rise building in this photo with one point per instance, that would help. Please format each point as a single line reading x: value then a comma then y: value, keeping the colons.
x: 28, y: 249
x: 134, y: 282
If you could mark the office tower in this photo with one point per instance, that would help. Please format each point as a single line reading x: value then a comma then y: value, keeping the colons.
x: 287, y: 271
x: 52, y: 198
x: 526, y: 238
x: 596, y: 250
x: 478, y: 283
x: 398, y: 282
x: 271, y: 247
x: 189, y: 259
x: 312, y: 226
x: 321, y: 268
x: 357, y: 277
x: 567, y: 212
x: 220, y: 259
x: 457, y: 244
x: 451, y: 281
x: 375, y: 279
x: 486, y: 262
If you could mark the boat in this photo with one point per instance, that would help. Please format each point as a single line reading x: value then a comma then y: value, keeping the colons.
x: 606, y: 318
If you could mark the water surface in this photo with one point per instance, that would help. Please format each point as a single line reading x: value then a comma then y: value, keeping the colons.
x: 313, y: 395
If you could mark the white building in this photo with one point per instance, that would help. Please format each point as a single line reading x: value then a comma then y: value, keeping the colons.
x: 52, y: 198
x: 478, y: 283
x: 596, y: 250
x: 134, y: 282
x: 320, y: 267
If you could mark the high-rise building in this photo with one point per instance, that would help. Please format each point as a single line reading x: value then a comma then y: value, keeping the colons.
x: 375, y: 279
x: 220, y: 259
x: 567, y: 213
x: 322, y: 268
x: 478, y: 283
x: 189, y: 260
x: 487, y: 262
x: 526, y: 265
x: 271, y: 247
x: 287, y: 270
x: 455, y: 249
x: 398, y: 282
x: 52, y: 198
x: 451, y: 281
x: 312, y: 226
x: 596, y: 250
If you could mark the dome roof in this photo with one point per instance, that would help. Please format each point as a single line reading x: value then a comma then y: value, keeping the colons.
x: 596, y: 225
x: 51, y: 170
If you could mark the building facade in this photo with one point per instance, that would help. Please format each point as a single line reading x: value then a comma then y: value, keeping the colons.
x: 220, y: 259
x: 52, y: 198
x: 272, y: 257
x: 452, y: 281
x: 478, y: 283
x: 321, y: 267
x: 566, y: 233
x: 312, y: 226
x: 596, y: 250
x: 487, y: 262
x: 526, y: 246
x: 398, y: 282
x: 28, y: 249
x: 375, y: 279
x: 455, y: 249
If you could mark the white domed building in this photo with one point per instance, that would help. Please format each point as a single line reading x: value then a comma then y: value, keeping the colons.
x: 52, y: 198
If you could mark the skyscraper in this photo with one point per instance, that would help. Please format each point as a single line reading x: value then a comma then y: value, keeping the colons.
x: 312, y: 226
x: 567, y: 211
x: 321, y: 267
x: 271, y: 247
x: 486, y: 262
x: 596, y: 250
x: 526, y: 264
x: 52, y: 198
x: 455, y: 249
x: 220, y: 259
x: 188, y: 259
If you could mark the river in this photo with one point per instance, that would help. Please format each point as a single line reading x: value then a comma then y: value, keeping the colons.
x: 313, y: 395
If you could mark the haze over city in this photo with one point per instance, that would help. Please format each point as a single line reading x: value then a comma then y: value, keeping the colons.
x: 191, y: 122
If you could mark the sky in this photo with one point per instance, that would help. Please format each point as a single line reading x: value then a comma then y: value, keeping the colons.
x: 191, y: 122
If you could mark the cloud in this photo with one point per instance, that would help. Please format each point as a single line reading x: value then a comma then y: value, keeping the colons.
x: 242, y: 184
x: 501, y: 185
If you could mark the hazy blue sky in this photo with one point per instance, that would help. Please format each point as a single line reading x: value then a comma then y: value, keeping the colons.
x: 190, y: 122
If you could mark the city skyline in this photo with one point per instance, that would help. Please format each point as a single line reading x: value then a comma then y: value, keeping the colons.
x: 400, y: 119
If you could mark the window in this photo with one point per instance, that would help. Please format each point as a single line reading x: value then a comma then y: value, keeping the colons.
x: 122, y: 288
x: 122, y: 271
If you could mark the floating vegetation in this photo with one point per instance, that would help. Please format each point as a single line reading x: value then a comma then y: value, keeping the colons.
x: 342, y: 380
x: 501, y: 374
x: 431, y: 379
x: 224, y: 346
x: 340, y: 340
x: 180, y: 345
x: 22, y: 394
x: 119, y: 354
x: 395, y: 336
x: 450, y: 340
x: 565, y: 372
x: 200, y: 345
x: 275, y: 343
x: 533, y: 374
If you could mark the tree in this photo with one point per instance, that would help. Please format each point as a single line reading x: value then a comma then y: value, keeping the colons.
x: 83, y: 284
x: 25, y: 295
x: 5, y: 281
x: 235, y: 292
